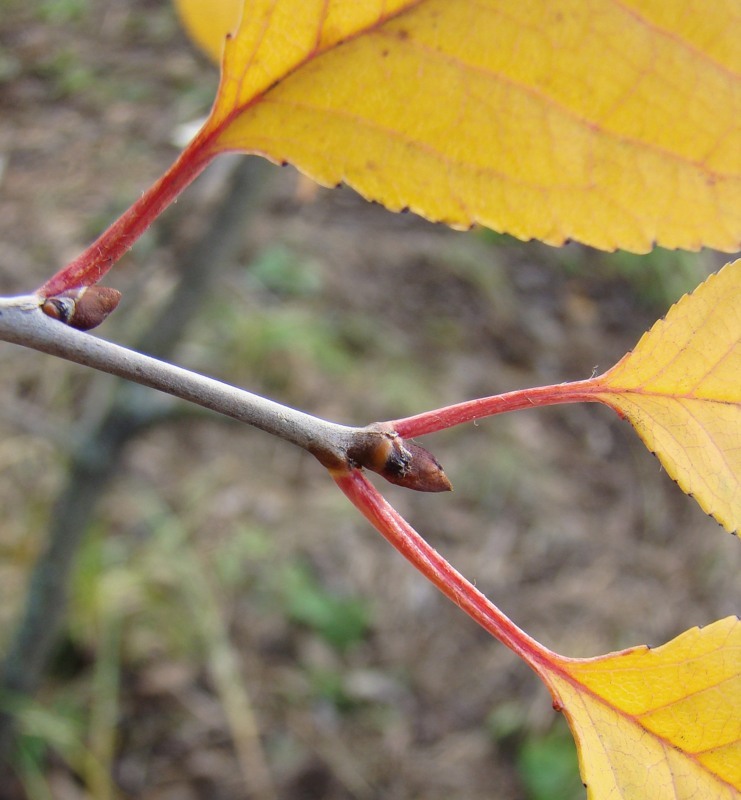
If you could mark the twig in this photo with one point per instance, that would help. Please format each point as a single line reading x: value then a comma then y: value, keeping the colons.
x: 22, y: 322
x: 377, y: 447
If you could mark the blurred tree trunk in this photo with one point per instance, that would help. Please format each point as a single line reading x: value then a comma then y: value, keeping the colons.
x: 96, y: 459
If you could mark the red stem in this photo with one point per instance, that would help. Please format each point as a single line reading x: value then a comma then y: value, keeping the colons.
x: 448, y: 417
x: 89, y: 267
x: 400, y: 534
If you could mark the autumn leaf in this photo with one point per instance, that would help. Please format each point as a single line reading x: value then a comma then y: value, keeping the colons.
x: 662, y: 724
x: 608, y: 122
x: 612, y: 123
x: 681, y: 390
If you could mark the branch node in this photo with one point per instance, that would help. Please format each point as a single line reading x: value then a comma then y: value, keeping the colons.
x: 380, y: 449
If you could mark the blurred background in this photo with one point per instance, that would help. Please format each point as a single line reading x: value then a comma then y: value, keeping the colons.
x: 235, y: 629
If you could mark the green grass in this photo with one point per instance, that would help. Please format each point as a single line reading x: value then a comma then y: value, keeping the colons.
x: 342, y: 621
x: 548, y: 766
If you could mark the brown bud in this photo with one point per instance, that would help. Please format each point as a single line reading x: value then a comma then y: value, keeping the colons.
x: 83, y: 308
x: 401, y: 462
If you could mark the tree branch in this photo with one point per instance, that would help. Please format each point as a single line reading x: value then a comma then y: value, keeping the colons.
x: 22, y: 322
x: 376, y: 447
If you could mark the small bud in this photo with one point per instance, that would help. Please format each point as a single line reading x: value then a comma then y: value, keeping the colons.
x: 83, y: 308
x: 412, y: 466
x: 401, y: 462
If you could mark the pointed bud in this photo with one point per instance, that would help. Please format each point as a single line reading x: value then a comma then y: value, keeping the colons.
x: 401, y: 462
x: 83, y: 308
x: 415, y: 468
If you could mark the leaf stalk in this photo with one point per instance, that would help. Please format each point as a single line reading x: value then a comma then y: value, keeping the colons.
x: 97, y: 259
x: 471, y: 410
x: 405, y: 539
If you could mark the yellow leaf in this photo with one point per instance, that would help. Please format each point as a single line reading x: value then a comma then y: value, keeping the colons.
x: 661, y: 724
x: 681, y: 390
x: 613, y: 123
x: 209, y: 23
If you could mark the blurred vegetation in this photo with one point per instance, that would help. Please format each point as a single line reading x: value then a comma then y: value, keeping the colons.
x: 546, y: 760
x: 658, y: 278
x: 341, y: 621
x: 549, y: 766
x: 62, y: 12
